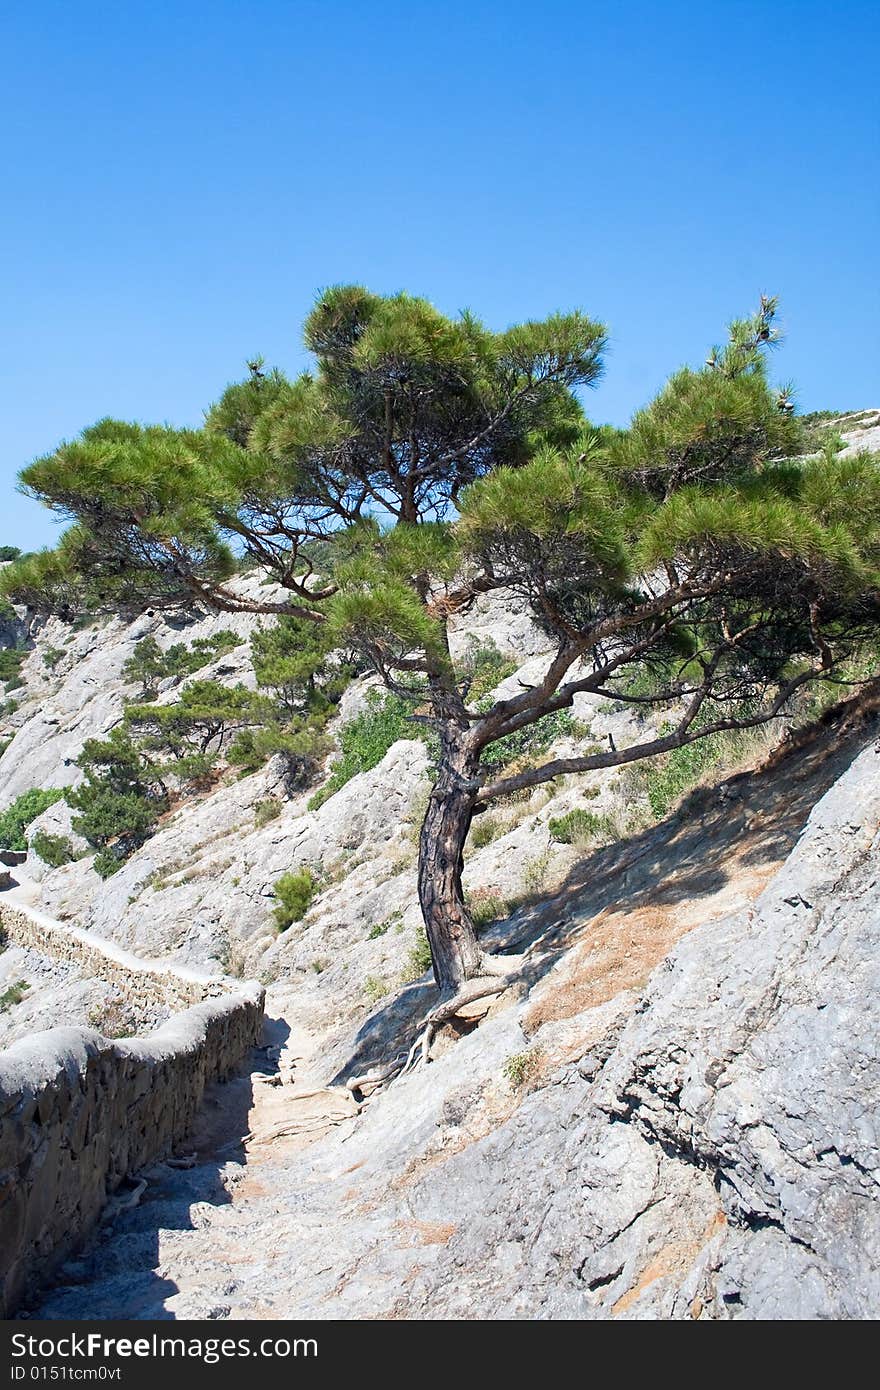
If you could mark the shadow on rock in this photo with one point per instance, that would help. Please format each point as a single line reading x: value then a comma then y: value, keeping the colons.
x: 118, y: 1273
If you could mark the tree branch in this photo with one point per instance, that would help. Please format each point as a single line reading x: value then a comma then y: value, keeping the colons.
x: 682, y: 735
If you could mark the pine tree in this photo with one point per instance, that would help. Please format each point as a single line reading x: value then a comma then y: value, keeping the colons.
x: 426, y: 461
x: 290, y: 658
x: 119, y: 799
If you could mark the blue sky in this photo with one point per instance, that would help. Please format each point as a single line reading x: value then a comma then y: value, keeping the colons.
x: 180, y: 179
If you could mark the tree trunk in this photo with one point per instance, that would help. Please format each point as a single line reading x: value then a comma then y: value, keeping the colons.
x: 454, y: 948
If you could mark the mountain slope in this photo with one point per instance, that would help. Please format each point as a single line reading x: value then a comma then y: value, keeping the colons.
x: 694, y: 1142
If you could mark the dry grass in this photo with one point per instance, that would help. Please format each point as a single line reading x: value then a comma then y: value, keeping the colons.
x: 713, y: 859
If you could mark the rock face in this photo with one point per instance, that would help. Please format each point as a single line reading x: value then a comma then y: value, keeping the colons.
x: 724, y: 1161
x: 698, y: 1144
x: 860, y: 430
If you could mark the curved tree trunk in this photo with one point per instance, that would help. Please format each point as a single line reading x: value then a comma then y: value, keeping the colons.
x: 454, y: 948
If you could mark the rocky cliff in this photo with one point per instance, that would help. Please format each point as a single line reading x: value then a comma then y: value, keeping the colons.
x: 673, y: 1116
x: 673, y: 1113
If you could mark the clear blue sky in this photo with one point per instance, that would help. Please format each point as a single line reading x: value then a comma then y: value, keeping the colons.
x: 180, y: 178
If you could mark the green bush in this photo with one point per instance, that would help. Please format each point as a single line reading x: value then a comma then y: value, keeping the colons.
x: 9, y: 552
x: 536, y: 872
x: 380, y: 928
x: 52, y: 656
x: 580, y: 825
x: 300, y: 745
x: 117, y: 799
x: 418, y: 959
x: 54, y: 850
x: 11, y: 659
x: 485, y: 906
x: 365, y: 740
x: 106, y: 862
x: 295, y: 892
x: 484, y: 666
x: 521, y: 1066
x: 668, y: 780
x: 4, y: 744
x: 486, y: 829
x: 13, y: 995
x: 375, y: 989
x: 150, y: 665
x: 203, y: 716
x: 24, y: 809
x: 535, y: 738
x: 290, y: 658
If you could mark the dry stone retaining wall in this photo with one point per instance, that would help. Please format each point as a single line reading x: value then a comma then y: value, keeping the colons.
x: 80, y: 1112
x: 145, y: 983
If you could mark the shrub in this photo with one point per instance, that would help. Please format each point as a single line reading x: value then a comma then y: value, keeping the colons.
x: 365, y: 740
x: 290, y: 658
x: 521, y: 1066
x: 580, y: 826
x: 418, y: 959
x: 9, y: 552
x: 486, y: 667
x: 380, y: 928
x: 295, y: 892
x: 150, y: 665
x: 13, y: 995
x: 206, y: 713
x: 267, y: 810
x: 535, y: 738
x: 11, y: 659
x: 485, y: 906
x: 375, y: 989
x: 106, y: 862
x: 116, y: 800
x: 680, y: 771
x: 54, y: 850
x: 52, y: 656
x: 486, y: 829
x: 4, y: 744
x: 535, y: 872
x: 301, y: 745
x: 24, y: 809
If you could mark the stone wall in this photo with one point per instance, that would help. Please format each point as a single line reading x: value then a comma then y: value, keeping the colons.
x: 79, y: 1113
x: 143, y: 983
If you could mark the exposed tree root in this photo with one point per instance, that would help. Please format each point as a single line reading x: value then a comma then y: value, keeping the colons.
x: 118, y: 1205
x: 292, y: 1127
x: 497, y: 973
x: 376, y: 1075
